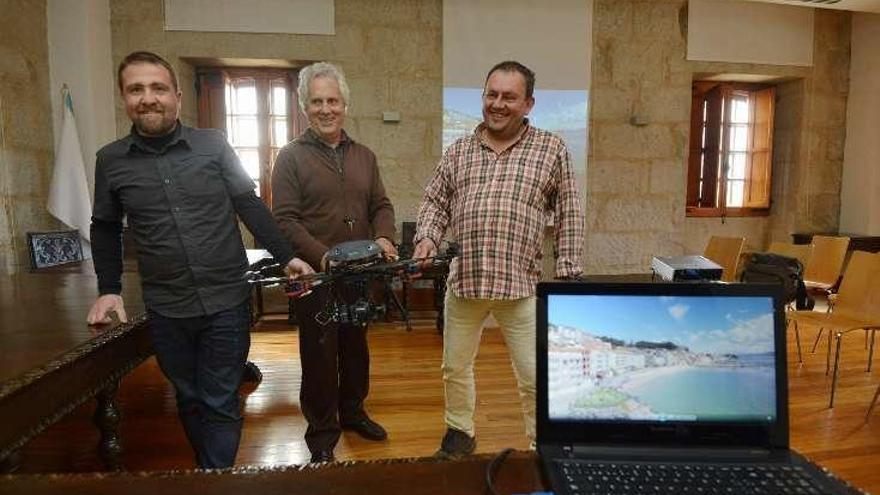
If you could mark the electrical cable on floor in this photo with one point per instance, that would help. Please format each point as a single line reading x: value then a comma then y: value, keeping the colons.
x: 493, y: 467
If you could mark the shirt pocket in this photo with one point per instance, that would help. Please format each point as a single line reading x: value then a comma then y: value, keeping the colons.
x: 199, y: 176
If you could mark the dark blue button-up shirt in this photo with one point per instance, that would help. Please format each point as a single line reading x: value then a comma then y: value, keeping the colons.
x: 178, y: 201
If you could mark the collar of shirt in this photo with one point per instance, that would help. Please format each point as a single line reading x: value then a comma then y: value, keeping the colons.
x: 344, y: 140
x: 337, y: 153
x: 478, y: 134
x: 135, y: 140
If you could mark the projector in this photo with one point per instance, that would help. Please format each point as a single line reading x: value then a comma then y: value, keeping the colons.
x: 675, y: 268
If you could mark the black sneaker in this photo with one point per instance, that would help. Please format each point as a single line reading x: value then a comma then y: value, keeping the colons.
x: 456, y: 444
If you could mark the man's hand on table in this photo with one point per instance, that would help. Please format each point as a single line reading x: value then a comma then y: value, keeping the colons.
x: 104, y: 305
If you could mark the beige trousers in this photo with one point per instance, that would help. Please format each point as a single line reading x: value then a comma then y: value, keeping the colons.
x: 461, y: 339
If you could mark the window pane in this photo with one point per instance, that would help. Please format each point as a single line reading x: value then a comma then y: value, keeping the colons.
x: 736, y: 166
x: 244, y: 97
x: 279, y: 131
x: 740, y: 109
x: 250, y: 159
x: 245, y: 131
x: 279, y: 99
x: 274, y: 156
x: 739, y: 135
x: 735, y: 193
x: 258, y: 109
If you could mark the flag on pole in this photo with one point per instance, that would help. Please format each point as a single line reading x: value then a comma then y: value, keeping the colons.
x: 69, y: 198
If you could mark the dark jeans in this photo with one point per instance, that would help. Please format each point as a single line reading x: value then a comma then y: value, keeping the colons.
x: 335, y: 371
x: 203, y: 357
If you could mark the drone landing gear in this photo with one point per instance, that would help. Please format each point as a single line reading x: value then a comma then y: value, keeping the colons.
x: 404, y: 313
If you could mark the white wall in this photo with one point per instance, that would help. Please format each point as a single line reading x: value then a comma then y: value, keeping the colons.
x: 748, y: 32
x: 551, y: 38
x: 251, y: 16
x: 860, y: 189
x: 80, y: 56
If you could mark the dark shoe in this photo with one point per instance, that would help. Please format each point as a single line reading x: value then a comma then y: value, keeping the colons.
x: 456, y: 444
x: 252, y: 373
x: 323, y: 456
x: 366, y: 428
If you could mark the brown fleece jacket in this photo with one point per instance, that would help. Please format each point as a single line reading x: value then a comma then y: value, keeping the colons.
x: 312, y: 198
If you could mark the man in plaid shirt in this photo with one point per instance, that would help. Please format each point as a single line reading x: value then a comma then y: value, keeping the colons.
x: 495, y: 190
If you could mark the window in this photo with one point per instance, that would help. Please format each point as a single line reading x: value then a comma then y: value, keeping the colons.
x: 731, y: 149
x: 258, y: 110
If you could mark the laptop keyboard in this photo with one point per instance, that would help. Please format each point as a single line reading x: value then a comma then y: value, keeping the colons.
x: 607, y: 478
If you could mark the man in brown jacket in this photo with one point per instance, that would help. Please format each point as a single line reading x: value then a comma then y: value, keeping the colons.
x: 326, y: 189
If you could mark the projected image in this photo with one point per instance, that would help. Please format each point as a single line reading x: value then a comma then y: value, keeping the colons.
x: 561, y: 112
x: 651, y: 358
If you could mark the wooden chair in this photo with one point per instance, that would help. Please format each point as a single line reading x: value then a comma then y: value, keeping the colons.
x: 873, y: 402
x: 726, y: 252
x: 826, y: 262
x: 800, y: 252
x: 857, y: 308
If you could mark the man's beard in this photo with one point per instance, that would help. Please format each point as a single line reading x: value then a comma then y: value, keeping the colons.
x: 154, y: 124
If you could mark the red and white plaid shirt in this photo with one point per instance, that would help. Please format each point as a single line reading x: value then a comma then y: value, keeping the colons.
x: 496, y: 206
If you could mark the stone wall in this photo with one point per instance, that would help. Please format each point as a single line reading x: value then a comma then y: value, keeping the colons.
x: 26, y: 142
x: 825, y: 124
x: 636, y: 175
x: 390, y: 51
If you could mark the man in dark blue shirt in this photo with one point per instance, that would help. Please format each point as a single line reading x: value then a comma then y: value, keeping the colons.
x: 181, y: 190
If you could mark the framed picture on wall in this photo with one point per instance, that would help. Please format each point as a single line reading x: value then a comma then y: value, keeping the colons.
x: 54, y: 248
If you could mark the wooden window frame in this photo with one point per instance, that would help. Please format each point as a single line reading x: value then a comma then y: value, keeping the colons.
x: 708, y: 173
x: 211, y: 88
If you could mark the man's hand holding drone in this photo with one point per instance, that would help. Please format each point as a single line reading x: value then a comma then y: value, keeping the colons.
x: 353, y: 261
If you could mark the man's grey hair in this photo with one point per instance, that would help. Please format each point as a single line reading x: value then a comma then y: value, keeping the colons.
x: 320, y: 69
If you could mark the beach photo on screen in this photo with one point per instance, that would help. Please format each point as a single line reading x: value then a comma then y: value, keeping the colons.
x: 660, y: 358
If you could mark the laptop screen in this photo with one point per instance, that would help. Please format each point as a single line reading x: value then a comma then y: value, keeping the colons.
x: 688, y: 362
x: 661, y: 358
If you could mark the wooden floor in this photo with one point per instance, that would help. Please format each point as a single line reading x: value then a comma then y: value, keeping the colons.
x: 407, y: 397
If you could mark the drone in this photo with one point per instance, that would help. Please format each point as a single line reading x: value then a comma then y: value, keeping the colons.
x: 355, y: 264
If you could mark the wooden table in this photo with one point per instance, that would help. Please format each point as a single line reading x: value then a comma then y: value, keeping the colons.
x: 53, y: 362
x: 856, y: 242
x: 519, y: 473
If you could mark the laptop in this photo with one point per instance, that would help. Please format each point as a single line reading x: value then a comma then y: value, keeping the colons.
x: 666, y: 388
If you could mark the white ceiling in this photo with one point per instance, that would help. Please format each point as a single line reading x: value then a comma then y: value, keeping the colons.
x: 855, y: 5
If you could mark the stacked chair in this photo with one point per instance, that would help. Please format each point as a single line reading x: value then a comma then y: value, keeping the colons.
x: 857, y: 307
